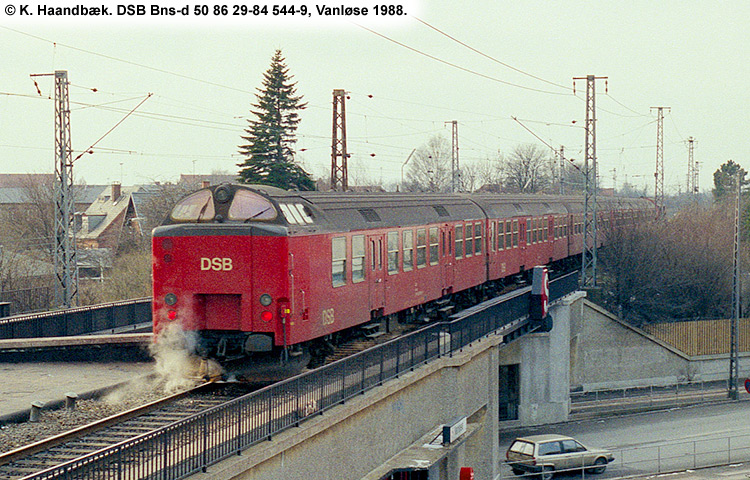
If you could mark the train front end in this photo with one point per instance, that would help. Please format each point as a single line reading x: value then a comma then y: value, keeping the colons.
x: 220, y: 275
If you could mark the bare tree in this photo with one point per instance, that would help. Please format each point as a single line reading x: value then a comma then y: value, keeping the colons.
x: 160, y: 203
x: 673, y: 269
x: 29, y: 225
x: 130, y: 277
x: 430, y: 169
x: 481, y: 173
x: 574, y: 180
x: 527, y: 169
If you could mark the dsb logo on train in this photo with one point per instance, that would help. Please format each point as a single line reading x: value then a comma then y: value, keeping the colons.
x: 217, y: 263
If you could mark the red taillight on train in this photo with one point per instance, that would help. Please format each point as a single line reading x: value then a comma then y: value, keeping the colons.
x: 171, y: 314
x: 266, y: 316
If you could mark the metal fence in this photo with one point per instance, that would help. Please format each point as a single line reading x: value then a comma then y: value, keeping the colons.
x: 666, y: 457
x: 191, y: 445
x: 695, y: 388
x: 77, y: 321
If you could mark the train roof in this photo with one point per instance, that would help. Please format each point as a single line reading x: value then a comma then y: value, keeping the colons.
x: 350, y: 211
x: 360, y: 210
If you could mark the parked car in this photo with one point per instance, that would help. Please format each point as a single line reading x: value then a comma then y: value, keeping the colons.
x: 546, y: 454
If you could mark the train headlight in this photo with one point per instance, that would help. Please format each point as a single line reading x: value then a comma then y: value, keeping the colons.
x: 265, y: 300
x: 266, y: 316
x: 222, y: 194
x: 170, y: 299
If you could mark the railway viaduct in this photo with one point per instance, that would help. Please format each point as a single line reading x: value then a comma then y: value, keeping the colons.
x: 398, y: 427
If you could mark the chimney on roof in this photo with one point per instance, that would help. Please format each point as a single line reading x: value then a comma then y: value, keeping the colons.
x: 116, y: 191
x: 205, y: 184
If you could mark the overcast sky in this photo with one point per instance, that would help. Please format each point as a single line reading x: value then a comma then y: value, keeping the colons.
x: 691, y: 56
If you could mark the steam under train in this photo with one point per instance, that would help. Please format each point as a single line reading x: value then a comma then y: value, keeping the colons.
x: 262, y: 273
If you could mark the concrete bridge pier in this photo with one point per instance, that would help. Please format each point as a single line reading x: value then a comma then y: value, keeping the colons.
x: 544, y: 364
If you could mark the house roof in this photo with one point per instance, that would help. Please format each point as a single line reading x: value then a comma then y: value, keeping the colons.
x: 19, y: 195
x: 104, y: 210
x: 8, y: 180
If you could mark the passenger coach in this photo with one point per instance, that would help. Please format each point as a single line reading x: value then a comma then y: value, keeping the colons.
x: 256, y: 270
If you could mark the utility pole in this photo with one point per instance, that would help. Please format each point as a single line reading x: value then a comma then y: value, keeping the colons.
x: 562, y: 169
x: 614, y: 179
x: 65, y: 244
x: 691, y: 169
x: 404, y: 164
x: 736, y: 279
x: 455, y: 169
x: 659, y: 173
x: 590, y: 171
x: 339, y: 155
x: 696, y: 183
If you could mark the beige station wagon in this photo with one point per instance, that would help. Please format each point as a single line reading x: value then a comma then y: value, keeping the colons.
x: 545, y: 454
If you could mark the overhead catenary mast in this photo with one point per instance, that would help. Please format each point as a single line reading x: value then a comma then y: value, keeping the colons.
x: 589, y: 254
x: 659, y: 173
x: 736, y: 289
x: 455, y: 168
x: 65, y: 245
x: 339, y: 155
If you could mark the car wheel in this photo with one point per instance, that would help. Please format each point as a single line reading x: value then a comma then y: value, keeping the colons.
x: 599, y: 465
x: 547, y: 473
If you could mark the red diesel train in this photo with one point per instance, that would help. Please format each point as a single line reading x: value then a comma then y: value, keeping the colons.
x: 259, y: 272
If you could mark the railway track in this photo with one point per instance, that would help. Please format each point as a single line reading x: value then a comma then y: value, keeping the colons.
x: 87, y: 439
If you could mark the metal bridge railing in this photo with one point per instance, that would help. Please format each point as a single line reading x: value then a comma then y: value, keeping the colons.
x: 77, y: 321
x: 192, y: 444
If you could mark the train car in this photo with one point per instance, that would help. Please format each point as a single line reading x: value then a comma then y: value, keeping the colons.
x: 264, y: 274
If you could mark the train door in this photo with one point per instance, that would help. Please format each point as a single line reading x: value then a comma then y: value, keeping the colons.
x: 446, y: 257
x: 376, y: 277
x: 570, y: 219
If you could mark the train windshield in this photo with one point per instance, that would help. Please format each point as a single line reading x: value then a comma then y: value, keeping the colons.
x: 198, y: 207
x: 251, y: 206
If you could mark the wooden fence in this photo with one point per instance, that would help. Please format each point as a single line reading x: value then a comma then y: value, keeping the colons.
x: 701, y: 337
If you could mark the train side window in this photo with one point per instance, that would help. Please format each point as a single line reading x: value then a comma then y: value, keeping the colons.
x: 373, y: 254
x: 433, y: 246
x: 358, y: 258
x: 519, y: 233
x: 421, y: 247
x: 408, y: 250
x: 478, y: 227
x: 545, y: 228
x: 508, y: 235
x: 338, y: 261
x: 444, y: 243
x: 380, y: 253
x: 491, y: 237
x: 501, y: 235
x: 392, y: 253
x: 469, y: 240
x: 459, y: 241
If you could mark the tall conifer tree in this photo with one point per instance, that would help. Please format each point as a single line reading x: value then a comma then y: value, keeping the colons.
x: 270, y: 137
